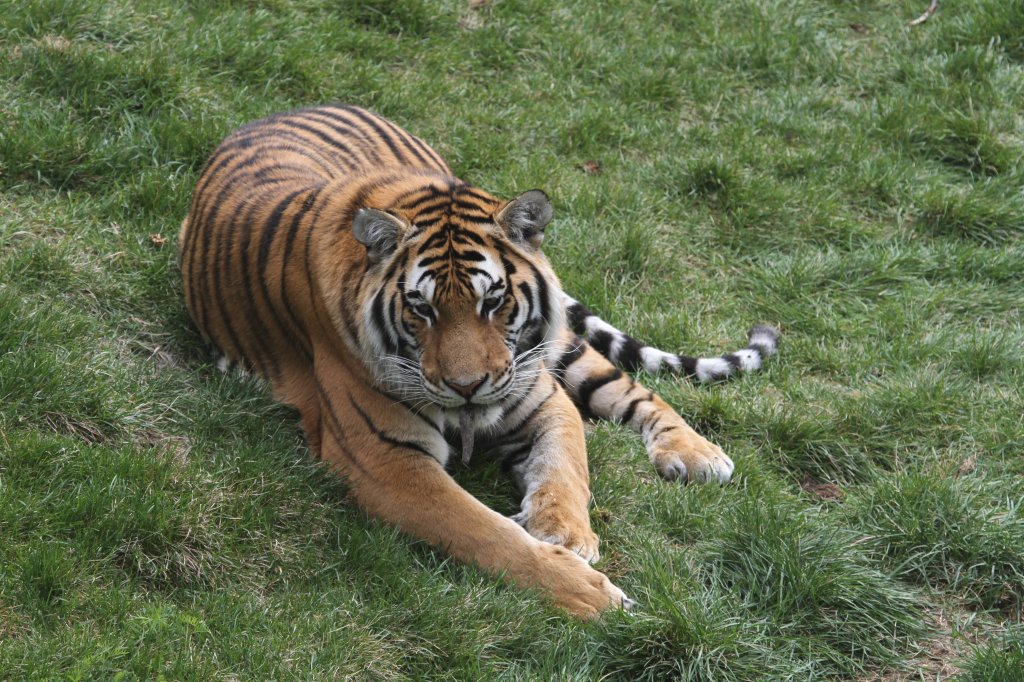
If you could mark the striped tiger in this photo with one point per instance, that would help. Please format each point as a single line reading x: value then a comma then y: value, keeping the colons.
x: 408, y: 315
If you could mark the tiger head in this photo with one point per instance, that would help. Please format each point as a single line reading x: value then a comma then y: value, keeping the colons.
x: 463, y: 305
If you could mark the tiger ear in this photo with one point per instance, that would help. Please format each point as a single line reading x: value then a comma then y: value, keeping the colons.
x: 378, y: 231
x: 525, y: 217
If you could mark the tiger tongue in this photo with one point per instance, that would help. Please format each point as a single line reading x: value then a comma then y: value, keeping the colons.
x: 466, y: 427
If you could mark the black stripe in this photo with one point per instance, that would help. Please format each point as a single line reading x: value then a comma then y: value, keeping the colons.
x: 376, y: 431
x: 460, y: 236
x: 763, y: 350
x: 250, y: 311
x: 476, y: 220
x: 207, y: 223
x: 542, y: 292
x: 202, y: 200
x: 510, y: 409
x: 307, y: 205
x: 409, y: 199
x: 377, y: 315
x: 578, y: 314
x: 307, y: 249
x: 525, y: 420
x: 586, y: 389
x: 516, y: 457
x: 423, y: 208
x: 430, y: 260
x: 527, y: 292
x: 476, y: 193
x: 438, y: 239
x: 277, y: 174
x: 351, y: 156
x: 222, y: 264
x: 628, y: 356
x: 470, y: 255
x: 270, y: 225
x: 429, y: 151
x: 338, y: 430
x: 371, y: 121
x: 407, y: 141
x: 510, y: 269
x: 460, y: 202
x: 601, y: 341
x: 513, y: 312
x: 651, y: 417
x: 572, y: 355
x: 352, y: 132
x: 330, y: 141
x: 398, y: 262
x: 627, y: 416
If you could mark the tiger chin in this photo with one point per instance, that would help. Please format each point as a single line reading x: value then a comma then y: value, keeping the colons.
x: 411, y: 317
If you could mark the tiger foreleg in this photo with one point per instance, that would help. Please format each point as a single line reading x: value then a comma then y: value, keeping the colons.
x: 602, y: 390
x: 551, y: 469
x: 411, y: 490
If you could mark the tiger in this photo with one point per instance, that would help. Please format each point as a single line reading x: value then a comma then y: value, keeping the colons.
x: 409, y: 316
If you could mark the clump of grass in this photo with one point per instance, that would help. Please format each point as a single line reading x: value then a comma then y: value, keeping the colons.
x: 818, y: 592
x: 993, y: 24
x: 686, y: 632
x: 999, y: 660
x: 710, y: 179
x: 988, y: 215
x: 810, y: 444
x: 404, y: 17
x: 937, y: 530
x: 986, y: 354
x: 962, y: 141
x: 47, y: 574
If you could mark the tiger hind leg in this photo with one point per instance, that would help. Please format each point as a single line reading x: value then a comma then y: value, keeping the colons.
x: 602, y: 390
x: 629, y: 354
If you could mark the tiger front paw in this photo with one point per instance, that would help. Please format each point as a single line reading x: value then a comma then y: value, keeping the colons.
x: 571, y: 584
x: 685, y: 456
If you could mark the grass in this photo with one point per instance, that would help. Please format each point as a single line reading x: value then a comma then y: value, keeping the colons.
x: 815, y: 165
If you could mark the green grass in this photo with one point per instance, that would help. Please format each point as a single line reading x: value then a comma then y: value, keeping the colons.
x: 814, y: 165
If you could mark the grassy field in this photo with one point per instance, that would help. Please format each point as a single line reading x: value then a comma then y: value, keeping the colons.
x: 815, y: 165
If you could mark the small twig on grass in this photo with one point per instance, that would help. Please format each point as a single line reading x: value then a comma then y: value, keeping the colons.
x: 927, y: 13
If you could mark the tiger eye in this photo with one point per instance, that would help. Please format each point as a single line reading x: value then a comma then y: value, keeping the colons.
x: 423, y: 309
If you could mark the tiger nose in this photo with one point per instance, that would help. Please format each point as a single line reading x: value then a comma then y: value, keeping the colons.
x: 466, y: 389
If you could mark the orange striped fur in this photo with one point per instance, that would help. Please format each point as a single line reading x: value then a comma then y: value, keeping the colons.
x: 393, y: 304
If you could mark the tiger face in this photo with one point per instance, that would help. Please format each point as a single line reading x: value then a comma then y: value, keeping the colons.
x: 463, y: 310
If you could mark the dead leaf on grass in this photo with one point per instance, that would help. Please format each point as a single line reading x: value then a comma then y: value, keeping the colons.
x: 473, y: 18
x: 55, y: 42
x: 824, y: 491
x: 966, y: 467
x: 62, y: 423
x: 176, y: 448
